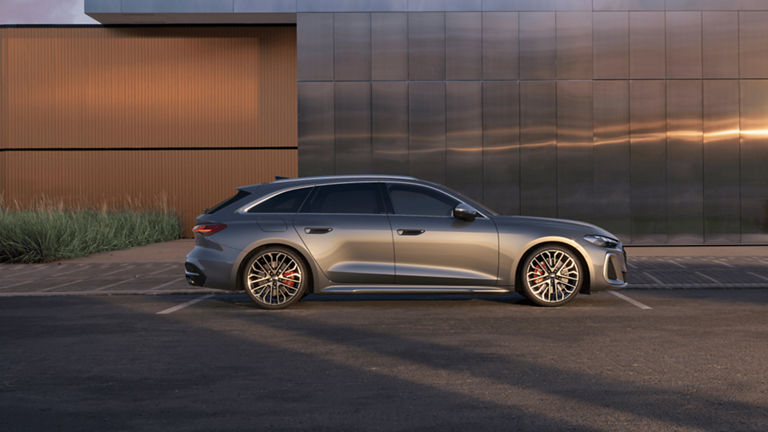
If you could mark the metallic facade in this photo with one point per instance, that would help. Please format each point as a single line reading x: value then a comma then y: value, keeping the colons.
x: 649, y: 118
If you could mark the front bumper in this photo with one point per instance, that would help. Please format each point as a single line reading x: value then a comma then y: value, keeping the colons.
x: 615, y: 269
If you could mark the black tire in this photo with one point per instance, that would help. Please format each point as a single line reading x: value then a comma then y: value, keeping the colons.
x: 275, y: 277
x: 552, y: 275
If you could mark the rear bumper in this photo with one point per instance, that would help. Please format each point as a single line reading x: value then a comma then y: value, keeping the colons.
x: 210, y: 268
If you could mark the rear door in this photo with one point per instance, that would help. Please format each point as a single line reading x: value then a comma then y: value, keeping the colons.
x: 346, y: 229
x: 434, y: 248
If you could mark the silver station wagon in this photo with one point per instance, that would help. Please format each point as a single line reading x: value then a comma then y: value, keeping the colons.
x: 387, y: 234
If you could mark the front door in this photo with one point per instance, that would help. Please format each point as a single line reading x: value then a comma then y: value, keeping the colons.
x: 434, y: 248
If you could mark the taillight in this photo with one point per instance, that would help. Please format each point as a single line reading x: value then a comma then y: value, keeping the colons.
x: 207, y: 230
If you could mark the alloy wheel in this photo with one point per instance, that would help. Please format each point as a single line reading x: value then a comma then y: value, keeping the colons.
x: 552, y: 276
x: 274, y: 278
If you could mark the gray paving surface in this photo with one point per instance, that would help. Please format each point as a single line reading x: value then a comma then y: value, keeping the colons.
x: 695, y: 361
x: 94, y: 279
x: 76, y: 278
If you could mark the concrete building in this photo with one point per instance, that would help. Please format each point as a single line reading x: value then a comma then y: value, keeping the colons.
x: 647, y: 117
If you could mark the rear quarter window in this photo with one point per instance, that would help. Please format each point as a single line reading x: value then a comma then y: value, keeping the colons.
x: 241, y: 194
x: 286, y: 202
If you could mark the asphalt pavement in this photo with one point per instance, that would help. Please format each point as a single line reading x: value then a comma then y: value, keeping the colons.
x: 683, y: 348
x: 692, y: 360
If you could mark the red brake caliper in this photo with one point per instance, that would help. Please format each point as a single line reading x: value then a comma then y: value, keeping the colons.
x: 291, y: 283
x: 539, y: 272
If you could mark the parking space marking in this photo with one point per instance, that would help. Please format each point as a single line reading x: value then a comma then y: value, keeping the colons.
x: 120, y: 282
x: 35, y: 268
x: 708, y: 277
x: 173, y: 309
x: 650, y: 276
x: 17, y: 284
x: 61, y: 285
x: 630, y: 300
x: 758, y: 276
x: 166, y: 269
x: 123, y: 268
x: 157, y: 287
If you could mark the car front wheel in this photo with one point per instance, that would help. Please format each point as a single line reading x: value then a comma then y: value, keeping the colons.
x: 275, y: 278
x: 552, y: 276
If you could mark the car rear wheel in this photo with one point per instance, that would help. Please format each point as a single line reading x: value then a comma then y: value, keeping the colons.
x: 274, y: 278
x: 552, y: 276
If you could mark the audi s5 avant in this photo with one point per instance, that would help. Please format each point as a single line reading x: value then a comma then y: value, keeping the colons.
x: 387, y: 234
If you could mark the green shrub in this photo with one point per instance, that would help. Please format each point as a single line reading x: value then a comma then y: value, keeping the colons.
x: 28, y: 236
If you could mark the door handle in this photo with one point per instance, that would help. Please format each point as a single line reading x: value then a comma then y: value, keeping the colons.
x: 410, y: 232
x: 317, y: 230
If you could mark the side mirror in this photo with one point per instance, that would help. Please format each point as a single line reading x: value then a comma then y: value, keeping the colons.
x: 464, y: 212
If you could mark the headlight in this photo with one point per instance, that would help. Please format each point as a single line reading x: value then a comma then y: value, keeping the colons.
x: 601, y: 241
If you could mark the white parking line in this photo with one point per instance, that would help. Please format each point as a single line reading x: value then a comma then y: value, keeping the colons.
x: 123, y: 268
x: 708, y: 277
x: 630, y: 300
x: 61, y: 285
x: 166, y: 269
x: 758, y: 276
x: 120, y: 282
x: 157, y: 287
x: 650, y: 276
x: 183, y: 305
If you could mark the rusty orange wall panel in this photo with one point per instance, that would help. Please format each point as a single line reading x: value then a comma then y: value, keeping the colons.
x: 149, y: 87
x: 187, y: 181
x: 140, y: 90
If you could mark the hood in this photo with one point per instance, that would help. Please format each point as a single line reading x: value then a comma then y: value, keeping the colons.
x: 555, y: 224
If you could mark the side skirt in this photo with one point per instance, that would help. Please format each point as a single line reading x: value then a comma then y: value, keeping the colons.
x: 400, y: 289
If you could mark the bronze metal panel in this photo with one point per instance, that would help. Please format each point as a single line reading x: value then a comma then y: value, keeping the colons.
x: 158, y: 179
x: 538, y: 153
x: 646, y: 45
x: 149, y: 87
x: 315, y: 46
x: 685, y: 208
x: 610, y: 44
x: 426, y: 120
x: 537, y: 45
x: 352, y: 46
x: 754, y: 160
x: 426, y: 46
x: 720, y: 44
x: 574, y: 149
x: 683, y: 44
x: 501, y: 146
x: 721, y: 161
x: 574, y: 45
x: 611, y: 198
x: 647, y: 119
x: 464, y: 137
x: 753, y: 44
x: 316, y: 129
x: 389, y: 127
x: 500, y: 45
x: 463, y: 46
x: 389, y: 46
x: 352, y: 127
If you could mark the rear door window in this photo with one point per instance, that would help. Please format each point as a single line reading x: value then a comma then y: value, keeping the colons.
x: 355, y: 198
x: 286, y: 202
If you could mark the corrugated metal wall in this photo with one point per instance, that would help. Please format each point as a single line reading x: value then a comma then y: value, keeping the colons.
x: 183, y: 115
